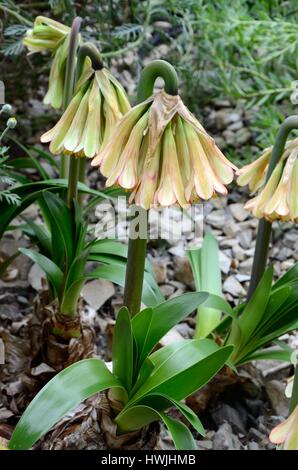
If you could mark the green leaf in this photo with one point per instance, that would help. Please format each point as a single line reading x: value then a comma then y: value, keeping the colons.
x: 148, y: 331
x: 52, y: 271
x: 141, y: 415
x: 204, y: 262
x: 276, y: 354
x: 162, y: 402
x: 62, y: 229
x: 58, y: 397
x: 123, y: 349
x: 255, y: 308
x: 182, y: 368
x: 181, y: 435
x: 40, y: 235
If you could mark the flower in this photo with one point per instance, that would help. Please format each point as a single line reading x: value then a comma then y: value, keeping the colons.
x: 98, y: 104
x: 277, y: 198
x: 162, y: 154
x: 45, y: 35
x: 286, y: 433
x: 50, y: 35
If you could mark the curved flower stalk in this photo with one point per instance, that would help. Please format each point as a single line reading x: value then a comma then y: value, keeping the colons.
x: 161, y: 153
x: 50, y: 35
x: 277, y: 199
x: 286, y: 433
x: 99, y: 102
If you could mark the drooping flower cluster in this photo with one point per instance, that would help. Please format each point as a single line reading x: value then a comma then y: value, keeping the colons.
x: 286, y: 433
x: 50, y: 35
x: 163, y: 155
x: 277, y: 198
x: 98, y: 104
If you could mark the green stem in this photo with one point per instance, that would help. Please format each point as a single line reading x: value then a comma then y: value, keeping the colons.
x: 4, y: 133
x: 82, y: 171
x: 156, y: 69
x: 70, y: 80
x: 137, y: 246
x: 73, y: 176
x: 88, y: 50
x: 264, y: 229
x: 294, y: 397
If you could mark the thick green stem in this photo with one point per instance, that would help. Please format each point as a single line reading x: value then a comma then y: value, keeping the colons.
x: 70, y: 80
x: 88, y: 50
x: 156, y: 69
x: 73, y: 176
x: 82, y: 171
x: 264, y: 229
x: 137, y: 246
x: 134, y: 273
x: 294, y: 397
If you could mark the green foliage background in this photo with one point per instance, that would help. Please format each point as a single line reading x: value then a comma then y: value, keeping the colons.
x: 243, y: 51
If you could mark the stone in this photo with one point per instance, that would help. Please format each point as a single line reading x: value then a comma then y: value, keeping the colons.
x: 217, y: 218
x: 226, y: 413
x: 245, y: 266
x: 36, y: 277
x: 233, y: 286
x: 238, y: 212
x: 167, y: 290
x: 275, y: 391
x: 239, y: 253
x: 183, y: 271
x: 160, y: 270
x: 224, y: 262
x: 245, y: 238
x: 97, y: 292
x: 224, y: 439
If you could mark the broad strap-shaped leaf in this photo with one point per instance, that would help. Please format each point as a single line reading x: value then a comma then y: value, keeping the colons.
x: 164, y: 317
x: 273, y: 353
x: 40, y: 235
x: 52, y: 271
x: 58, y: 397
x: 62, y: 229
x: 182, y: 368
x: 142, y: 415
x: 204, y: 262
x: 123, y: 349
x: 180, y: 433
x: 162, y: 402
x: 255, y: 308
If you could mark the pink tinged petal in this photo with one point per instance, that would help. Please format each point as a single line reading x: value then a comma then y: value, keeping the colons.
x: 285, y: 430
x: 125, y: 172
x: 75, y: 132
x: 57, y: 134
x: 91, y: 139
x: 123, y: 102
x: 108, y: 91
x: 165, y: 194
x: 293, y: 198
x: 222, y: 168
x: 162, y: 111
x: 109, y: 155
x: 254, y: 174
x: 144, y: 192
x: 182, y: 151
x: 203, y: 175
x: 279, y: 201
